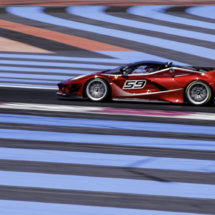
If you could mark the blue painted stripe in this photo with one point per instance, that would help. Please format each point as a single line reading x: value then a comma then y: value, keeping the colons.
x: 36, y: 13
x: 110, y: 124
x: 100, y: 159
x: 136, y: 56
x: 34, y: 70
x: 27, y: 81
x: 28, y: 86
x: 8, y: 207
x: 101, y: 184
x: 203, y: 11
x: 122, y: 57
x: 60, y: 58
x: 97, y: 13
x: 35, y: 76
x: 107, y: 139
x: 55, y: 64
x: 158, y: 12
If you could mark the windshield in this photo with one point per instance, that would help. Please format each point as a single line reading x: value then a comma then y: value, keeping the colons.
x: 116, y: 70
x: 113, y: 71
x: 137, y: 68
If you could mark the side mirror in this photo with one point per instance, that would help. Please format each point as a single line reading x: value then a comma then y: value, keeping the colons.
x: 123, y: 70
x: 171, y: 70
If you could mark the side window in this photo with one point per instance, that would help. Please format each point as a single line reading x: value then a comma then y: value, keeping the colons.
x: 140, y: 69
x: 145, y: 69
x: 154, y: 68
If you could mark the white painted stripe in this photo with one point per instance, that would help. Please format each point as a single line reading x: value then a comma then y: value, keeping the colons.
x: 26, y: 86
x: 81, y: 109
x: 8, y: 207
x: 49, y: 107
x: 199, y: 116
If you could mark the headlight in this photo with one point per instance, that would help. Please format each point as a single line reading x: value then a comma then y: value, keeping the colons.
x: 80, y: 76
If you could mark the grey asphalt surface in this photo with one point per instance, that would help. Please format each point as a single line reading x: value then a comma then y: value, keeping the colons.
x: 108, y: 200
x: 39, y: 96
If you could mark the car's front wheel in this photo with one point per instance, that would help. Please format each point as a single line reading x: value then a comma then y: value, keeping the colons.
x: 198, y: 93
x: 97, y: 90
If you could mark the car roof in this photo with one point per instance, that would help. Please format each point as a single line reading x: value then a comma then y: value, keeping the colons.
x: 170, y: 64
x: 149, y: 62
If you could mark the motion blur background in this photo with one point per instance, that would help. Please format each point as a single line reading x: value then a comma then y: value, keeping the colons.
x: 79, y: 157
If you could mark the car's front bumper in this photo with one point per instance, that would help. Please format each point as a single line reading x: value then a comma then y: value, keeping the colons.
x: 68, y: 90
x: 68, y: 95
x: 71, y: 95
x: 62, y: 94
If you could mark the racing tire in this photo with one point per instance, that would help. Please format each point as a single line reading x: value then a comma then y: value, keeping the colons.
x: 97, y: 90
x: 198, y: 93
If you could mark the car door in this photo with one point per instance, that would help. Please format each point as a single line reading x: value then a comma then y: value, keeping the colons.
x: 167, y: 83
x: 166, y: 79
x: 135, y: 85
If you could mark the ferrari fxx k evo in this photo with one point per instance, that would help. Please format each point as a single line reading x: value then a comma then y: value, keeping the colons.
x: 147, y: 81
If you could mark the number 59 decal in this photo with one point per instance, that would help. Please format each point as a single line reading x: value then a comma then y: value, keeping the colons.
x: 134, y: 84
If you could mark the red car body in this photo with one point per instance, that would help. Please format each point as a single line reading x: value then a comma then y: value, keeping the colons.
x: 168, y: 83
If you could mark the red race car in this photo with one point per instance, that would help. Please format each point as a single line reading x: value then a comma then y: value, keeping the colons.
x: 149, y: 81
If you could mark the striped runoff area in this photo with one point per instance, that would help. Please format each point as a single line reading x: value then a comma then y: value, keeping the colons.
x: 10, y: 207
x: 42, y: 46
x: 63, y: 165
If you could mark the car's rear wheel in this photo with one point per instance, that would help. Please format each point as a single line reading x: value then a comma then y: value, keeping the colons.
x: 198, y: 93
x: 97, y: 90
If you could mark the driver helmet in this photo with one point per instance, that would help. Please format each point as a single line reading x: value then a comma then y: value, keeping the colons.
x: 147, y: 68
